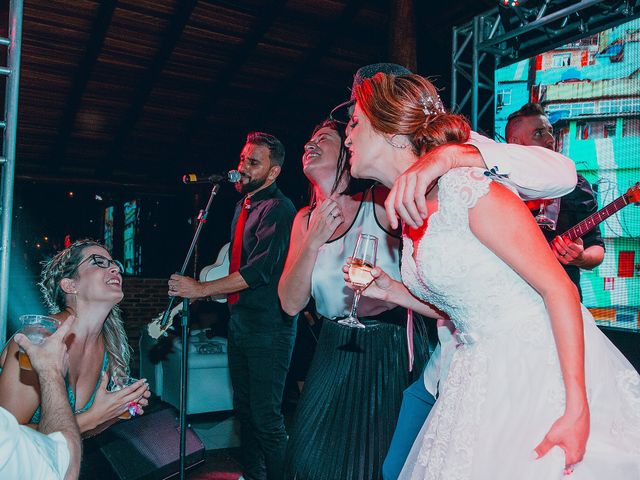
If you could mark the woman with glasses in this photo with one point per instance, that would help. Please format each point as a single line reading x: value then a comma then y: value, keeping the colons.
x: 84, y: 281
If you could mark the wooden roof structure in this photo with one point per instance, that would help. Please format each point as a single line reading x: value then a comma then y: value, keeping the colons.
x: 144, y: 90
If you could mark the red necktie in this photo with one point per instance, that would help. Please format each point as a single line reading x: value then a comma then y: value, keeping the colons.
x: 236, y: 251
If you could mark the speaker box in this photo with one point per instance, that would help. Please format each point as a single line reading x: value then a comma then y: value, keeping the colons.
x: 148, y: 447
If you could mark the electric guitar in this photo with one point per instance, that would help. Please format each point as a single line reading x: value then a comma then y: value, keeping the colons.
x: 589, y: 223
x: 209, y: 273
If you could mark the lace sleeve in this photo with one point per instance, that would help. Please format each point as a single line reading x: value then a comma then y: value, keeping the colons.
x: 463, y: 187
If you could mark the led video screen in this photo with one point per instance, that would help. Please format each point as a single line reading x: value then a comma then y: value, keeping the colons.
x: 590, y: 90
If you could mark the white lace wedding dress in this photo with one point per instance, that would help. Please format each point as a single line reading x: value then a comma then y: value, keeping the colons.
x: 504, y: 389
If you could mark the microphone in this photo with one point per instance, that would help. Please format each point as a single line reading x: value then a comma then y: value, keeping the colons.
x: 232, y: 176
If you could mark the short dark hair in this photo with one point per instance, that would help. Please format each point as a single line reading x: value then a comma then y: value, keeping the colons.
x: 530, y: 109
x: 275, y: 146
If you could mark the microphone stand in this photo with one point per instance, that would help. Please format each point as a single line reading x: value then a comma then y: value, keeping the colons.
x: 184, y: 316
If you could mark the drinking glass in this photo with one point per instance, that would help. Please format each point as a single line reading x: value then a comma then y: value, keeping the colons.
x: 118, y: 382
x: 36, y: 328
x: 547, y: 216
x: 362, y: 262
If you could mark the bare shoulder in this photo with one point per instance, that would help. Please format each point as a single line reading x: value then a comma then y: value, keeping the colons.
x: 301, y: 219
x: 19, y: 389
x: 300, y: 223
x: 10, y: 350
x: 500, y: 208
x: 501, y: 196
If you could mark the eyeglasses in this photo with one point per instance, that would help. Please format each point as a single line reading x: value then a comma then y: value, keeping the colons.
x: 102, y: 262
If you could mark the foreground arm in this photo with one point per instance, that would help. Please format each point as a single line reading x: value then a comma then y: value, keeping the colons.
x: 51, y: 361
x: 389, y: 290
x: 520, y: 244
x: 19, y: 389
x: 107, y: 406
x: 535, y: 172
x: 294, y: 288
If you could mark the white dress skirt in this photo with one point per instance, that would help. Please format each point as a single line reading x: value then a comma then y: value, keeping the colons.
x: 504, y: 389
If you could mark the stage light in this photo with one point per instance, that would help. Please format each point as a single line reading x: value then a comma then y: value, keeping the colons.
x: 511, y: 3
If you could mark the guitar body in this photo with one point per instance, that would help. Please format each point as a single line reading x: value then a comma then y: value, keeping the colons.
x: 218, y: 270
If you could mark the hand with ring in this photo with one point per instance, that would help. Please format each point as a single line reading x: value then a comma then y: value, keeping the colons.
x: 185, y: 287
x: 325, y: 219
x: 566, y: 251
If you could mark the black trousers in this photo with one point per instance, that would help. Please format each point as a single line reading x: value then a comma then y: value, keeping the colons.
x: 258, y: 364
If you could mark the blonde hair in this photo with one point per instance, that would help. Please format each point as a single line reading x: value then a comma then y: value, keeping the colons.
x: 65, y: 265
x: 410, y: 105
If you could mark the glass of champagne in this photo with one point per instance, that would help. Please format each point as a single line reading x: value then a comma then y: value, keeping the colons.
x: 36, y: 328
x: 362, y: 262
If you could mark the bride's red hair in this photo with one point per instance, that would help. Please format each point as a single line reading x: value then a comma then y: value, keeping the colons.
x: 409, y: 105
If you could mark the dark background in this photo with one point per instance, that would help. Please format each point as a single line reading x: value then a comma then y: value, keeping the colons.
x: 118, y: 99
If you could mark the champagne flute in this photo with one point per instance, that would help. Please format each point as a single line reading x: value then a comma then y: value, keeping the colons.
x: 547, y: 216
x: 362, y: 262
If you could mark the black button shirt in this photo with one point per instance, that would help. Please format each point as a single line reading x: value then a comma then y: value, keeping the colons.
x: 265, y: 244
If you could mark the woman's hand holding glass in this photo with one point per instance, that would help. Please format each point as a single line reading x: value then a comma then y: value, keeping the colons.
x: 362, y: 262
x: 380, y: 288
x: 108, y: 405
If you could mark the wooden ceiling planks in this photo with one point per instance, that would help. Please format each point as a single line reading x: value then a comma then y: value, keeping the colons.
x: 140, y: 90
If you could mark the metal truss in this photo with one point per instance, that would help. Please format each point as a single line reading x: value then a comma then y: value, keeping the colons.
x: 9, y: 125
x: 505, y: 35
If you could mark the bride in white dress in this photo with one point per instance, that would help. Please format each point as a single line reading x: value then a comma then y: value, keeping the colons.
x: 535, y: 390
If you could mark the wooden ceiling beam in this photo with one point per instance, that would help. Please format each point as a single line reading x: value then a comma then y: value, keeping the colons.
x: 141, y: 95
x: 217, y: 88
x: 312, y: 57
x: 81, y: 79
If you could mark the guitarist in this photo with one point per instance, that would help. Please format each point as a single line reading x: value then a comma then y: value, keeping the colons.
x: 530, y: 126
x: 261, y: 335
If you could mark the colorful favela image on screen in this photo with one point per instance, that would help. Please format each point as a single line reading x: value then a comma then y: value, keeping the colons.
x: 590, y: 90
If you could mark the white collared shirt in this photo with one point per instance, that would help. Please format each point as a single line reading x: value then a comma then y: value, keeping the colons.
x: 28, y: 454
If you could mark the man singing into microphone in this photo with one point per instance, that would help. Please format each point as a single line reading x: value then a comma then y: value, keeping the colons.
x: 261, y: 335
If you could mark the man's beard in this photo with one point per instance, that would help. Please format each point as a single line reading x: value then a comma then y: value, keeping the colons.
x: 250, y: 186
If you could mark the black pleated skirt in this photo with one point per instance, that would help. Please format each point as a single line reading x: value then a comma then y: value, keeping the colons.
x: 351, y: 399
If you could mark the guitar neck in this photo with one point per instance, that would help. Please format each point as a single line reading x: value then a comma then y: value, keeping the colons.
x: 596, y: 218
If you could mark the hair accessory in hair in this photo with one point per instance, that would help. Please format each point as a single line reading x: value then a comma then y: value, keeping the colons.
x: 431, y: 106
